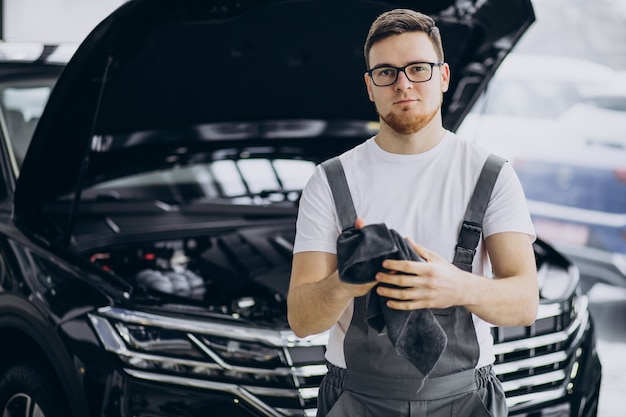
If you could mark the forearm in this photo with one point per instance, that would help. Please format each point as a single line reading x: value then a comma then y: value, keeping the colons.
x: 316, y: 306
x: 511, y: 301
x: 512, y: 297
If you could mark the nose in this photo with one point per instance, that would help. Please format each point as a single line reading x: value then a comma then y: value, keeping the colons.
x: 403, y: 81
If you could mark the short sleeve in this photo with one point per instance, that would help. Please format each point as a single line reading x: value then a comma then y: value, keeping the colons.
x: 508, y: 210
x: 316, y: 227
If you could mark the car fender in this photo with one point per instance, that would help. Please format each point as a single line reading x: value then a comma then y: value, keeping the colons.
x: 18, y: 315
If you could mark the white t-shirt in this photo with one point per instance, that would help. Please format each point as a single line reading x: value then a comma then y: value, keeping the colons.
x: 422, y: 196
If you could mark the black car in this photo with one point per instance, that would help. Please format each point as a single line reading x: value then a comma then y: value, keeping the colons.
x: 146, y: 237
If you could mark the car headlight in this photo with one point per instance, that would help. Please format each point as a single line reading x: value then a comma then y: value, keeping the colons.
x: 204, y: 350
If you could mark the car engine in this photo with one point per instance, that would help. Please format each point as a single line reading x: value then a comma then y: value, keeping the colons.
x: 242, y: 274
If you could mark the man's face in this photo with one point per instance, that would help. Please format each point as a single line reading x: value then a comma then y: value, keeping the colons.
x: 407, y: 106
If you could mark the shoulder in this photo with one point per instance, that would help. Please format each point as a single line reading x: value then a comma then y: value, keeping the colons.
x: 465, y: 157
x: 467, y: 148
x: 353, y: 155
x: 318, y: 186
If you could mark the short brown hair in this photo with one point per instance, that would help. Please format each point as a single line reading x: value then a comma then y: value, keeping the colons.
x: 397, y: 21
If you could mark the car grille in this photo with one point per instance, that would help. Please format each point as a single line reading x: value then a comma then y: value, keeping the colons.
x: 539, y: 363
x: 536, y: 364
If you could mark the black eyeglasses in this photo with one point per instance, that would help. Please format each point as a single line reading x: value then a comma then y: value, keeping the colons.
x: 417, y: 72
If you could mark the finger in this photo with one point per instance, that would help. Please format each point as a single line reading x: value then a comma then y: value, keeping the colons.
x: 400, y: 280
x: 405, y: 267
x: 424, y: 253
x: 396, y: 293
x: 407, y: 305
x: 403, y: 298
x: 359, y: 223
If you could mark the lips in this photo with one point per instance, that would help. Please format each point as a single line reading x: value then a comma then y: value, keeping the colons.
x: 405, y: 101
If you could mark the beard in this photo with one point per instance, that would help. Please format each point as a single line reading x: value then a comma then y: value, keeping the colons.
x: 407, y: 123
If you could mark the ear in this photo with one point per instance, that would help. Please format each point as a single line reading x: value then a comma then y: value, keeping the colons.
x: 445, y: 77
x: 368, y: 84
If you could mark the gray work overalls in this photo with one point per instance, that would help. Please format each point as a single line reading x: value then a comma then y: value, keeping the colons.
x: 378, y: 382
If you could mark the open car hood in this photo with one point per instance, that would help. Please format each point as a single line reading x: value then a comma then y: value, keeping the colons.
x: 158, y: 75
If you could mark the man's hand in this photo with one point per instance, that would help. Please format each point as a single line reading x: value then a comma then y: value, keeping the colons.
x: 359, y: 223
x: 435, y: 283
x: 511, y: 298
x: 317, y: 297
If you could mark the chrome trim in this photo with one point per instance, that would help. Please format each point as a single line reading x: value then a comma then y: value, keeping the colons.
x: 528, y: 400
x: 113, y: 343
x: 276, y: 338
x: 310, y: 370
x: 232, y: 389
x: 530, y: 381
x: 224, y: 365
x: 207, y: 351
x: 547, y: 339
x: 549, y: 310
x: 110, y: 338
x: 166, y: 359
x: 309, y: 393
x: 577, y: 327
x: 272, y: 392
x: 534, y: 362
x: 534, y: 342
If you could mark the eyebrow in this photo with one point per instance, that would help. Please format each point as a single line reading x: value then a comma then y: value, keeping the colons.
x: 384, y: 64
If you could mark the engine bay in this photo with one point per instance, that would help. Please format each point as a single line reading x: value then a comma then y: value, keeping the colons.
x: 242, y: 274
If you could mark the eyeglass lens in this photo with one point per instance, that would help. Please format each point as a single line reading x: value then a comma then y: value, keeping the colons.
x: 419, y: 72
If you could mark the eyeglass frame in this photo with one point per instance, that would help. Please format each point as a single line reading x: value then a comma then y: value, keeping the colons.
x: 403, y: 69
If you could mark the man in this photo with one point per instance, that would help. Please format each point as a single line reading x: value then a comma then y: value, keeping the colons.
x: 417, y: 178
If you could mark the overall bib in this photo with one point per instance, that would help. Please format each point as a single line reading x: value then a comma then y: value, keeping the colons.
x: 378, y: 382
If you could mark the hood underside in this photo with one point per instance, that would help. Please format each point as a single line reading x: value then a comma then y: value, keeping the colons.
x: 156, y: 65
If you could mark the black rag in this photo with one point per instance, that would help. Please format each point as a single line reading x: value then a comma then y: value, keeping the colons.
x: 415, y: 334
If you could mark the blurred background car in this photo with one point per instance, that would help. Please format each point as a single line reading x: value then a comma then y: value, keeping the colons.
x: 561, y: 121
x: 28, y: 72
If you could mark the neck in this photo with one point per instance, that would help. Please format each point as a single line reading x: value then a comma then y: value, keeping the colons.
x: 415, y: 143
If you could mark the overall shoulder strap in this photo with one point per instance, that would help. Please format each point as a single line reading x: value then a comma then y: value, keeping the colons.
x: 341, y: 192
x: 471, y: 229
